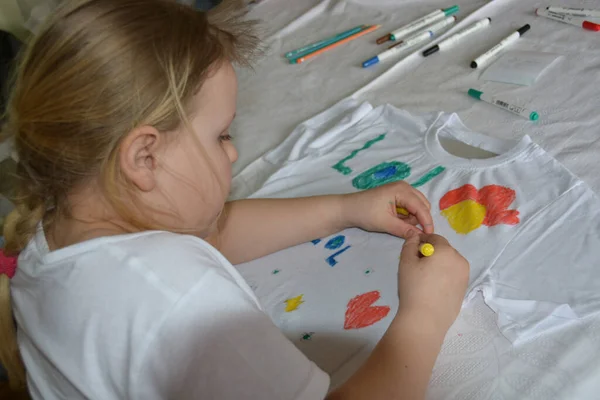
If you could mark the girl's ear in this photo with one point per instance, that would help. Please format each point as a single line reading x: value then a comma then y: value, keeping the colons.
x: 138, y: 156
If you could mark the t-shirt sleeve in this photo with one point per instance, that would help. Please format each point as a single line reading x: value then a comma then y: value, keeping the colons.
x: 217, y: 344
x: 549, y: 274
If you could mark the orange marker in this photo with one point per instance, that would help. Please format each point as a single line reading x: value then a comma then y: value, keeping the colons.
x: 336, y: 44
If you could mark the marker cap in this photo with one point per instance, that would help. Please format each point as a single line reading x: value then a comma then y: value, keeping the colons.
x: 590, y: 26
x: 534, y: 116
x: 451, y: 10
x: 475, y: 93
x: 383, y: 39
x: 523, y: 29
x: 431, y: 50
x: 427, y: 249
x: 370, y: 61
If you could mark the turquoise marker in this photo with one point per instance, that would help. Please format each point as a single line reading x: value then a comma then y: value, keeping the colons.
x: 302, y: 51
x: 522, y: 111
x: 423, y: 22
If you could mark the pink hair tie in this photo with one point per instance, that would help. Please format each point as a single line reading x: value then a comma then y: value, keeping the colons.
x: 8, y: 265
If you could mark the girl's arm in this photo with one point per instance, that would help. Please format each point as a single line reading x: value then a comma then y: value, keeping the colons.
x: 400, y: 365
x: 431, y: 291
x: 249, y: 229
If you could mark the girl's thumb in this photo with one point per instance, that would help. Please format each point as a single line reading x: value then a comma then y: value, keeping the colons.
x: 410, y: 249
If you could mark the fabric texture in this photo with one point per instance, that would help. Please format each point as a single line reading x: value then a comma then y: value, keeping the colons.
x: 153, y: 315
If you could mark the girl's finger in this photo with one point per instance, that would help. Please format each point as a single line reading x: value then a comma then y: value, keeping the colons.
x: 420, y: 210
x: 410, y: 219
x: 401, y: 228
x: 410, y: 249
x: 422, y: 197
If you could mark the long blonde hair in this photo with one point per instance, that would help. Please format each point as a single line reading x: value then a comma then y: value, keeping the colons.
x: 96, y: 70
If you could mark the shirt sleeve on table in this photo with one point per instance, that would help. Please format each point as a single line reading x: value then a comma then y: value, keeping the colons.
x: 548, y: 275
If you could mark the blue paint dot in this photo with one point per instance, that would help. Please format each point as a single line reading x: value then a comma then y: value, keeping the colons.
x: 335, y: 243
x: 385, y: 172
x: 381, y: 174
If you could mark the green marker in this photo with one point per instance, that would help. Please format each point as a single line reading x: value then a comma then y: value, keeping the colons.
x: 522, y: 111
x: 292, y: 55
x: 422, y: 22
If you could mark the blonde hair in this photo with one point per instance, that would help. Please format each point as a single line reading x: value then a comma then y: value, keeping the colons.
x: 96, y: 70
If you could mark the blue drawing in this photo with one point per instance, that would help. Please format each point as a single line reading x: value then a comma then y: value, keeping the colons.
x: 381, y: 174
x: 331, y: 259
x: 333, y: 244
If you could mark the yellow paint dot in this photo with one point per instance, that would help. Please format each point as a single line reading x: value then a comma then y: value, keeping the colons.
x: 293, y: 303
x: 427, y: 249
x: 465, y: 216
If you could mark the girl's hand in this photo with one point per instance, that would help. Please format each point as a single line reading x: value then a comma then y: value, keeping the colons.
x: 432, y: 287
x: 375, y: 210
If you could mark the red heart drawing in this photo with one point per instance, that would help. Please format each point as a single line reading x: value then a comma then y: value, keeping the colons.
x: 360, y: 313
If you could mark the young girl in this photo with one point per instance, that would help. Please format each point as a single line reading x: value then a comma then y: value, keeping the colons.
x: 125, y: 287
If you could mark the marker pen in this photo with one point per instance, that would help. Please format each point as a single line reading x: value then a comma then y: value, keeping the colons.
x: 507, y: 41
x: 522, y: 111
x: 412, y: 41
x: 423, y: 22
x: 568, y: 19
x: 409, y: 42
x: 576, y: 12
x: 458, y: 36
x: 434, y: 29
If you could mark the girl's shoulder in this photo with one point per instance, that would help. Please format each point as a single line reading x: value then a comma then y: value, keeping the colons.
x: 142, y: 263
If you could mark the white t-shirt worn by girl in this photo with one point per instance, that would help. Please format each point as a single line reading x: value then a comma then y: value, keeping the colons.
x: 153, y: 315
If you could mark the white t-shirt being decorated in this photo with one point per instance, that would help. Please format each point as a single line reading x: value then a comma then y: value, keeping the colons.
x: 528, y: 227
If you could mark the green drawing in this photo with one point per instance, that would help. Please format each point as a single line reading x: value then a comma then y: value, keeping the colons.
x: 381, y: 174
x: 339, y: 166
x: 428, y: 176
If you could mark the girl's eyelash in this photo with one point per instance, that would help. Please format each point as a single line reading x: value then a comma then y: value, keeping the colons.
x: 225, y: 138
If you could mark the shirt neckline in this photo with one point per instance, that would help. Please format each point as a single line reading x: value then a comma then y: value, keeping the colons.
x: 507, y: 150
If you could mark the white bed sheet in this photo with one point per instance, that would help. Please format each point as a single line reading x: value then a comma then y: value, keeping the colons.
x: 476, y: 361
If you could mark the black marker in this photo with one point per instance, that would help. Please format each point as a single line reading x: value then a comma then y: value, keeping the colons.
x: 491, y: 53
